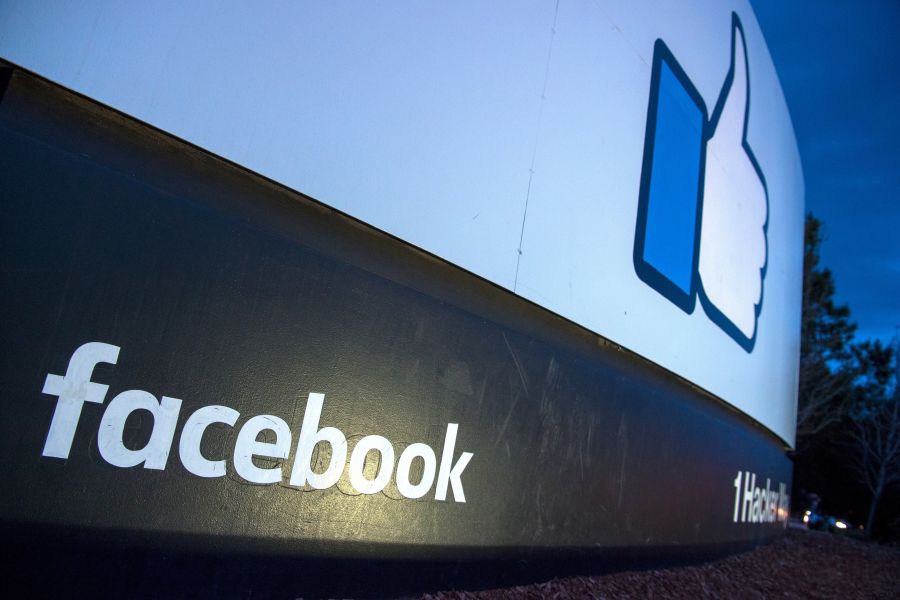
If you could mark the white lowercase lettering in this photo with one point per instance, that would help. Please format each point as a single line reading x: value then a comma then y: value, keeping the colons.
x: 75, y: 388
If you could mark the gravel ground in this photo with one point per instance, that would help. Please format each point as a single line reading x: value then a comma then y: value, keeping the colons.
x: 804, y: 564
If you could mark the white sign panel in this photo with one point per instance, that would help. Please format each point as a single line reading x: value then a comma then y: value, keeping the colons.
x: 630, y: 166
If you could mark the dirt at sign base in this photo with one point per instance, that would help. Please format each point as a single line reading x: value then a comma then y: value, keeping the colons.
x: 803, y: 564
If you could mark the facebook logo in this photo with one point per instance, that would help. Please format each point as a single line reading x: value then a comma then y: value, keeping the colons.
x: 703, y: 205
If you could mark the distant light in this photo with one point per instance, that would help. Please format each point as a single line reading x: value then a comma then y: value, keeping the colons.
x: 806, y: 517
x: 840, y: 525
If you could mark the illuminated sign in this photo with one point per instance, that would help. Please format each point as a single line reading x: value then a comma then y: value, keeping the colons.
x: 195, y: 358
x: 558, y: 150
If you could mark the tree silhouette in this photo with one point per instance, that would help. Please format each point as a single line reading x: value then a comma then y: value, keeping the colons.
x: 875, y: 434
x: 826, y: 357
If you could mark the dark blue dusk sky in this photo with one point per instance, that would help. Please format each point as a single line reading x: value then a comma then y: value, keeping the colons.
x: 839, y: 65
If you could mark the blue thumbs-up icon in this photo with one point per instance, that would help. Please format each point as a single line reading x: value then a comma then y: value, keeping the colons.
x: 703, y: 204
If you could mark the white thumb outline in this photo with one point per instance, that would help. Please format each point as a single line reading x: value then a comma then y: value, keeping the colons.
x: 732, y: 297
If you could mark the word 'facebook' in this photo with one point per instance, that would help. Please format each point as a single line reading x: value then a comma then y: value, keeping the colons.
x: 75, y: 388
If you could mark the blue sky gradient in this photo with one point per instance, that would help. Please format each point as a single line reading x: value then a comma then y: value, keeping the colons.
x: 839, y: 65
